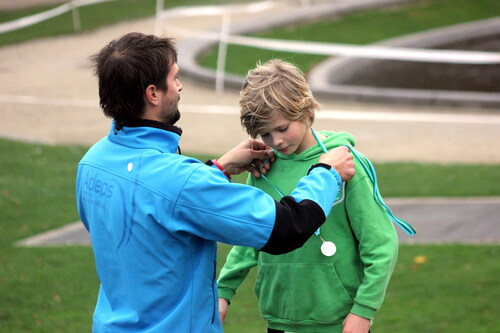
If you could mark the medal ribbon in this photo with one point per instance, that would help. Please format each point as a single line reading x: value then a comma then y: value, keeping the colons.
x: 370, y: 170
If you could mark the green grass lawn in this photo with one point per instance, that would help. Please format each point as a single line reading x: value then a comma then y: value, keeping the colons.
x: 54, y: 289
x: 91, y: 17
x: 453, y: 292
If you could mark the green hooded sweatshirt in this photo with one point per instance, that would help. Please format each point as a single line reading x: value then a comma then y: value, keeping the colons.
x: 305, y: 291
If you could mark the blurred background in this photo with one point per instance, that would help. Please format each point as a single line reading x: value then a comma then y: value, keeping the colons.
x: 416, y: 81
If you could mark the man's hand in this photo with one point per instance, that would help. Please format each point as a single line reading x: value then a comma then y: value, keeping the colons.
x: 249, y: 155
x: 340, y: 159
x: 223, y: 307
x: 355, y: 324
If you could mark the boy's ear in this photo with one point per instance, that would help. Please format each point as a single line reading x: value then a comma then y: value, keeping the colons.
x: 308, y: 117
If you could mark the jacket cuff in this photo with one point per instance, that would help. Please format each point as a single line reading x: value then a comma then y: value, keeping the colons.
x: 363, y: 311
x: 213, y: 163
x: 328, y: 167
x: 322, y: 165
x: 226, y: 293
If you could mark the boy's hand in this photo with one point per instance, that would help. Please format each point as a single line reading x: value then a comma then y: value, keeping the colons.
x: 223, y: 307
x: 355, y: 324
x: 340, y: 159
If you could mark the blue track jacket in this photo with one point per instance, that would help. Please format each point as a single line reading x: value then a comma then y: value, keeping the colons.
x: 154, y: 218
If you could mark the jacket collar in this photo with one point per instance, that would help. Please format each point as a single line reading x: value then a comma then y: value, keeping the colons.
x: 145, y: 134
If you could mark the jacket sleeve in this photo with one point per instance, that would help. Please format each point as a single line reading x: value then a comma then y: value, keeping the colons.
x: 211, y: 207
x: 240, y: 260
x: 378, y: 244
x: 299, y: 215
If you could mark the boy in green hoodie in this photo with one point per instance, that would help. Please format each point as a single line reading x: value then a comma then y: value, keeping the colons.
x: 337, y: 281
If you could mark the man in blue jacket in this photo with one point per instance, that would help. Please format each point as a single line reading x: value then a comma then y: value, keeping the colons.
x: 155, y: 216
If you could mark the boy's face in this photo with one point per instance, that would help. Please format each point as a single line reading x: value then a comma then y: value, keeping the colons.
x: 287, y: 136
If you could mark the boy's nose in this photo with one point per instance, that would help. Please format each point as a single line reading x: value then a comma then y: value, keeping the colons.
x: 277, y: 140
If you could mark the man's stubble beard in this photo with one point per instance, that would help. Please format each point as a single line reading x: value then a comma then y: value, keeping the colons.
x: 174, y: 118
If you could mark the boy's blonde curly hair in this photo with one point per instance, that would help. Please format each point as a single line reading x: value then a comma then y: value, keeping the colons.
x: 276, y: 86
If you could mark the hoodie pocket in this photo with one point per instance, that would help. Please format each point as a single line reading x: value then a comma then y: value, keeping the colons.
x: 302, y: 293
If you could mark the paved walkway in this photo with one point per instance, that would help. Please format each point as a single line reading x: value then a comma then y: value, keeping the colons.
x: 436, y: 220
x: 48, y: 95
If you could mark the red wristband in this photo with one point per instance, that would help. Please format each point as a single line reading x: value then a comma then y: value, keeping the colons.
x: 217, y: 164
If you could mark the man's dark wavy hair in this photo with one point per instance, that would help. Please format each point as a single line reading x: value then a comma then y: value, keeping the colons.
x: 126, y: 66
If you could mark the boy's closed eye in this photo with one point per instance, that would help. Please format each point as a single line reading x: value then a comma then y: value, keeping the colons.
x: 282, y: 129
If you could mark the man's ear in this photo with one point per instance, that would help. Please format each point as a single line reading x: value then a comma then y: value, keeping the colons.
x: 151, y: 95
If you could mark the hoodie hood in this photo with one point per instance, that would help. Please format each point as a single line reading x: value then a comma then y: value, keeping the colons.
x: 330, y: 140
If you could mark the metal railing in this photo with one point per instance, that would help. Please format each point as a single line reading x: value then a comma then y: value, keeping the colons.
x: 72, y: 6
x: 223, y: 38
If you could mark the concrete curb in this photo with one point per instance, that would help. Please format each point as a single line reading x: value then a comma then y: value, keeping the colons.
x: 326, y: 78
x: 437, y: 221
x: 190, y: 48
x: 319, y: 77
